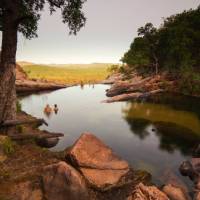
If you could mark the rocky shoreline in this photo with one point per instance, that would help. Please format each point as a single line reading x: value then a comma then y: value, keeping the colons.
x: 88, y: 170
x: 25, y: 85
x: 136, y: 87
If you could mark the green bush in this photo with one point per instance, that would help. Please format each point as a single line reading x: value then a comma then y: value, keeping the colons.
x: 8, y: 146
x: 18, y: 106
x: 189, y: 82
x: 20, y: 128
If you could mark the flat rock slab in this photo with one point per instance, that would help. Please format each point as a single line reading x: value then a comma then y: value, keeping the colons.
x: 101, y: 167
x: 104, y: 179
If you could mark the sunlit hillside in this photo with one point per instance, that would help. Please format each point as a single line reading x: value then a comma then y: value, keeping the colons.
x: 68, y: 73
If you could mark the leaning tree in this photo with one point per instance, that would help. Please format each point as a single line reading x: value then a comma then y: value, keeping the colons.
x: 23, y: 16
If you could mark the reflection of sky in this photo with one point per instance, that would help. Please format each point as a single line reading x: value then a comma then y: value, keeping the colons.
x: 82, y: 110
x: 110, y: 28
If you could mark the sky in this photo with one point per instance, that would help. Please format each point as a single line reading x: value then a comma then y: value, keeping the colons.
x: 110, y: 28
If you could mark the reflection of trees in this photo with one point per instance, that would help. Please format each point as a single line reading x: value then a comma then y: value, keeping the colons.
x: 172, y: 136
x: 178, y: 102
x: 138, y: 127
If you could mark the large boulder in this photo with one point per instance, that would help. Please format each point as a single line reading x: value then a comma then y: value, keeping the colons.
x: 143, y: 192
x: 100, y: 166
x: 62, y: 182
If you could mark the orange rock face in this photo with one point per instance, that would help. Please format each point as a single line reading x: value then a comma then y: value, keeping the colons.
x: 101, y: 167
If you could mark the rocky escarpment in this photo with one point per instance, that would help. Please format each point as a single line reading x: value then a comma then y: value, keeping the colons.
x: 26, y: 85
x: 136, y: 87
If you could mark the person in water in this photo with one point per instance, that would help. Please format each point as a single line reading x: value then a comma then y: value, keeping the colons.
x: 48, y: 110
x: 55, y: 108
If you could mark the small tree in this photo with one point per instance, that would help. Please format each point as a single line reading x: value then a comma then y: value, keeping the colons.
x: 149, y: 33
x: 22, y: 16
x: 143, y: 50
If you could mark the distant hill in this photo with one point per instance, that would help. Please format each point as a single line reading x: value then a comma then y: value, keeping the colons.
x: 78, y: 65
x: 23, y: 63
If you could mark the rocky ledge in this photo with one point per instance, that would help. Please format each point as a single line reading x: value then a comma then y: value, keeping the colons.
x: 26, y: 85
x: 136, y: 87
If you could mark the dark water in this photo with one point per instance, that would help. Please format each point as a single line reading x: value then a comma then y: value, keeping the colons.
x: 155, y: 135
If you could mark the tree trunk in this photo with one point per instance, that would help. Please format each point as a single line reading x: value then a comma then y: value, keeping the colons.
x: 7, y: 69
x: 156, y: 63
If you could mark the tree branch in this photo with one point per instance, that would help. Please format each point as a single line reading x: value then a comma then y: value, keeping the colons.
x: 52, y: 3
x: 21, y: 19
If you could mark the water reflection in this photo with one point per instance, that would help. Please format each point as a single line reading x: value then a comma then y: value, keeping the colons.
x: 176, y: 129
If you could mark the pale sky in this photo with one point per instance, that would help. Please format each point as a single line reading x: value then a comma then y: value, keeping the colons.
x: 110, y: 28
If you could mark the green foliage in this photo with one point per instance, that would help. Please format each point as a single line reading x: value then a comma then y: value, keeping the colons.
x: 20, y: 128
x: 8, y: 146
x: 26, y: 14
x: 18, y: 106
x: 143, y: 50
x: 173, y: 46
x: 189, y: 82
x: 113, y: 68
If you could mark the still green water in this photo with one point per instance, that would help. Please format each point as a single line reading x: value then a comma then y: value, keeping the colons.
x: 155, y: 134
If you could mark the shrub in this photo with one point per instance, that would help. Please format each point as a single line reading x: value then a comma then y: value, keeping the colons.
x: 8, y: 146
x: 18, y: 106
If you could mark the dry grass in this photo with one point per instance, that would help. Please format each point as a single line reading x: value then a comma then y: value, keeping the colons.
x: 75, y: 73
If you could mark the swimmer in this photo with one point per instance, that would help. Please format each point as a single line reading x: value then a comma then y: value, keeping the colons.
x: 47, y: 109
x: 55, y: 108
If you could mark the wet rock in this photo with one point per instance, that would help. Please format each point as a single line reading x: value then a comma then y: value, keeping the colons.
x: 143, y: 192
x: 175, y: 193
x: 61, y: 181
x: 102, y: 168
x: 174, y: 187
x: 186, y: 169
x: 47, y: 142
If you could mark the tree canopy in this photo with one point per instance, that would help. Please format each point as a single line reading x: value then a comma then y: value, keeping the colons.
x: 173, y: 46
x: 27, y: 13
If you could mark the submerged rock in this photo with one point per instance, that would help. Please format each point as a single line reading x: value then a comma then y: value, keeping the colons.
x: 175, y: 193
x: 175, y: 188
x: 47, y: 142
x: 102, y: 168
x: 61, y: 181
